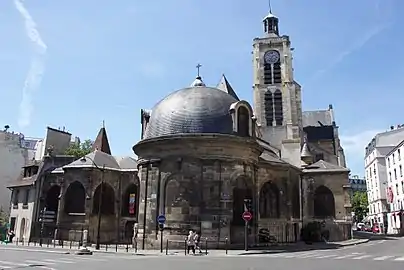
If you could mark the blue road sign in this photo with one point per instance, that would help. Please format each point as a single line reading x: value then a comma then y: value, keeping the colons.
x: 161, y: 219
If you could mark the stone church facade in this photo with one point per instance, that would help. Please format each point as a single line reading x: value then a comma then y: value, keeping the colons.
x: 205, y: 157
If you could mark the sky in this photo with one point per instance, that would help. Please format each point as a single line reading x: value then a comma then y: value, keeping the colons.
x: 75, y: 64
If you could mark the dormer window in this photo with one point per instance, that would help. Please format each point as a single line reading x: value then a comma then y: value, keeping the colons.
x: 243, y: 124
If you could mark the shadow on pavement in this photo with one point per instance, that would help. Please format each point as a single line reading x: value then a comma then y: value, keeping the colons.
x: 373, y: 236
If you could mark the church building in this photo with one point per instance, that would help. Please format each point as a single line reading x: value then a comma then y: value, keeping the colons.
x: 205, y: 157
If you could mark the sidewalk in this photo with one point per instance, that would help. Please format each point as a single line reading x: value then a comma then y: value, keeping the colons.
x: 122, y: 250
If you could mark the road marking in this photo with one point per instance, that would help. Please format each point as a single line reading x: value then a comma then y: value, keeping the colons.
x: 58, y: 261
x: 45, y: 267
x: 382, y: 258
x: 344, y: 257
x: 38, y: 262
x: 89, y: 259
x: 5, y: 267
x: 14, y: 263
x: 327, y: 256
x: 399, y: 259
x: 361, y: 257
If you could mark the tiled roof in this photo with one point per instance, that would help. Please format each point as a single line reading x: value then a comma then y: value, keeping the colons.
x: 324, y: 166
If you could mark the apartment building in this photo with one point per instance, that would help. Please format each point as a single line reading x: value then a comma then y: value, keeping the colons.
x: 376, y: 173
x: 395, y: 189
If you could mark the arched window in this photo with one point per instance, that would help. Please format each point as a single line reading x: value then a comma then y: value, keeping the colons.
x: 269, y: 201
x: 268, y: 74
x: 243, y: 125
x: 278, y: 107
x: 277, y: 72
x: 75, y: 198
x: 269, y: 108
x: 104, y: 200
x: 129, y: 201
x: 52, y: 198
x: 324, y: 204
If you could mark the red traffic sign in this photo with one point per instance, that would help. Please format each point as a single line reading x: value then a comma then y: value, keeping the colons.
x: 247, y: 216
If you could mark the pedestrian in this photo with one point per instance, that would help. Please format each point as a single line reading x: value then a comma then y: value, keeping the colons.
x: 191, y: 242
x: 197, y: 239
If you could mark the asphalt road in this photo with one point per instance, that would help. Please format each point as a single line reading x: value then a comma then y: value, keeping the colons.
x: 375, y: 255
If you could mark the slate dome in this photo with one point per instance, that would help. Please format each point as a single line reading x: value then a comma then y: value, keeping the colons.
x: 192, y: 110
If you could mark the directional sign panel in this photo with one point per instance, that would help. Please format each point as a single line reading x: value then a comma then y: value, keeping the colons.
x: 161, y: 219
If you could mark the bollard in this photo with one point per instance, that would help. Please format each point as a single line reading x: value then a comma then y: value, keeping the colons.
x: 62, y: 243
x: 35, y: 243
x: 116, y: 247
x: 47, y: 245
x: 167, y: 247
x: 54, y: 242
x: 70, y: 244
x: 136, y: 246
x: 22, y: 242
x: 206, y: 246
x: 28, y: 243
x: 185, y: 246
x: 127, y: 247
x: 106, y: 247
x: 227, y: 247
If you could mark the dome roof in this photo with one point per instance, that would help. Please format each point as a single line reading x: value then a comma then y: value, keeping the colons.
x: 192, y: 110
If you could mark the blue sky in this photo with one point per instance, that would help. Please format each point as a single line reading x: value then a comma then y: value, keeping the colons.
x: 105, y: 60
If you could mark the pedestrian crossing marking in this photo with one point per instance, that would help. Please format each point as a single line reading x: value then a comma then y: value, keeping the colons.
x: 39, y: 262
x: 399, y: 259
x: 58, y: 261
x: 14, y: 263
x: 361, y: 257
x: 344, y: 256
x: 382, y: 258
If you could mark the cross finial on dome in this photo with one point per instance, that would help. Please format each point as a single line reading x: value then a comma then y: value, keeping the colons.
x: 198, y: 81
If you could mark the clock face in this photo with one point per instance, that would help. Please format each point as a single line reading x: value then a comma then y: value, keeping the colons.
x: 271, y: 57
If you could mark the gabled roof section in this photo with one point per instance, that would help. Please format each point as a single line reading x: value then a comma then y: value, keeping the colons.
x: 127, y: 163
x: 324, y: 166
x: 95, y: 159
x: 101, y: 143
x: 225, y: 86
x: 305, y: 153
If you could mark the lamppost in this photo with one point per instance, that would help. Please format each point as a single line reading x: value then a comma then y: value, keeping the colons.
x: 84, y: 159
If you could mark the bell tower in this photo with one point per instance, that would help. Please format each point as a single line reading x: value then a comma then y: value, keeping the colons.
x: 277, y: 97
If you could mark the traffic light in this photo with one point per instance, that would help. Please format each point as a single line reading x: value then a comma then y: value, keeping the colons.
x: 247, y: 205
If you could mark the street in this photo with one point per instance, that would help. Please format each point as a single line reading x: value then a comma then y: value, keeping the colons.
x: 374, y: 255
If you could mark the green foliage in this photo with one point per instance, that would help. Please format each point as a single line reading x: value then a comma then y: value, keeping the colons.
x: 3, y: 218
x: 360, y: 204
x: 79, y: 150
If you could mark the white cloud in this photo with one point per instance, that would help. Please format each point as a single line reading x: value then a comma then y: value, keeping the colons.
x: 354, y: 146
x: 37, y: 68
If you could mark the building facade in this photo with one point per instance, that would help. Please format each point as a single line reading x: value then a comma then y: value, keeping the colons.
x: 395, y: 189
x: 358, y: 184
x: 25, y: 186
x: 377, y: 175
x: 205, y: 157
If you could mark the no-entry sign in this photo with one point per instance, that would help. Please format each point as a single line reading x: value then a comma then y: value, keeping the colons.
x: 247, y: 216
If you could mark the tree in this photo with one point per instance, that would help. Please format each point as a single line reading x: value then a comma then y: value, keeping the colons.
x: 3, y: 217
x: 79, y: 150
x: 360, y: 204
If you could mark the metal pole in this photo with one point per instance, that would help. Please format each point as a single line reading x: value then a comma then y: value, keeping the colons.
x: 246, y: 236
x: 42, y: 226
x: 97, y: 246
x: 161, y: 240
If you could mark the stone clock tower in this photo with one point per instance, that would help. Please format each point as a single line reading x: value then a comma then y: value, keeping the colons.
x: 277, y: 97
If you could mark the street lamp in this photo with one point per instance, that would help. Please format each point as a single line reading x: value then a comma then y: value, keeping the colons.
x: 84, y: 159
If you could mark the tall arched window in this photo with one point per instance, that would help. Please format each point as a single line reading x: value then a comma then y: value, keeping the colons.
x: 269, y: 201
x: 267, y: 74
x: 129, y: 201
x: 277, y: 72
x: 104, y: 200
x: 75, y: 198
x: 243, y: 124
x: 324, y: 204
x: 278, y: 107
x: 269, y: 108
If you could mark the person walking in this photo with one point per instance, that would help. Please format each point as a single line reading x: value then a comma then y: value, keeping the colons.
x: 197, y: 239
x: 191, y: 242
